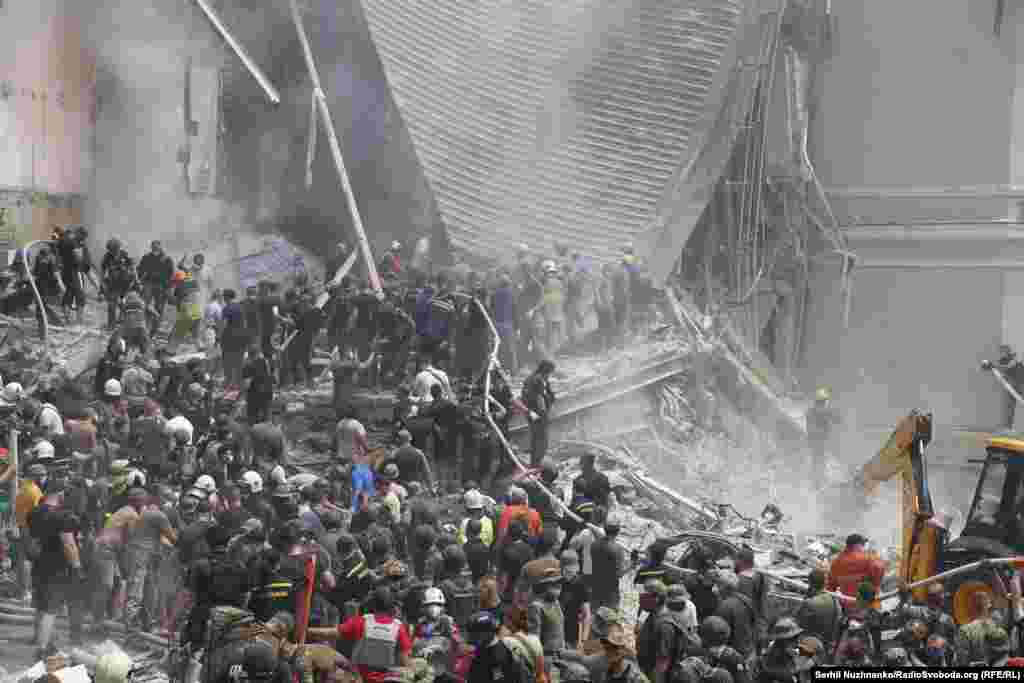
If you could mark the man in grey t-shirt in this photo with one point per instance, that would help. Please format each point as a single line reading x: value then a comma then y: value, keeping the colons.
x: 144, y: 545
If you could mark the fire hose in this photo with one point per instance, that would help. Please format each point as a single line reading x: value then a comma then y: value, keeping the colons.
x: 492, y: 363
x: 32, y: 281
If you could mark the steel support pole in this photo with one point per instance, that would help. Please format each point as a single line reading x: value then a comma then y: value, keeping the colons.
x: 272, y: 94
x: 339, y: 160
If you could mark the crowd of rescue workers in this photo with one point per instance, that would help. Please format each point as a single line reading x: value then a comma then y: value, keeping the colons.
x: 148, y: 500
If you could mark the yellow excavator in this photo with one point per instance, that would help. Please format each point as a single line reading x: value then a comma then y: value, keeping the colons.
x: 992, y: 541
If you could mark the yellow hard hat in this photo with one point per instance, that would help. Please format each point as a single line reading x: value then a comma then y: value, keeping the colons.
x: 823, y: 394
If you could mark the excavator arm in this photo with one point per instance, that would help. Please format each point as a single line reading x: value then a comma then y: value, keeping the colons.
x: 903, y: 457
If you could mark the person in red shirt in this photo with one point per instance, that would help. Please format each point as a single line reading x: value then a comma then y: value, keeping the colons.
x: 853, y: 567
x: 382, y: 641
x: 517, y: 507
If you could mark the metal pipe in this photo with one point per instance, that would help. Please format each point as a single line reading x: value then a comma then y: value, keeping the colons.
x: 951, y: 192
x: 1017, y: 562
x: 929, y: 265
x: 339, y: 160
x: 272, y: 94
x: 491, y: 364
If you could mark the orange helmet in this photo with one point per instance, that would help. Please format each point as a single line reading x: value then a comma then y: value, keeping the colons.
x: 179, y: 277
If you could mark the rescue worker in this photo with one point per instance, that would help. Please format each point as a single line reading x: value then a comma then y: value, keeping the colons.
x: 821, y: 613
x: 436, y: 637
x: 544, y: 616
x: 155, y: 270
x: 539, y: 399
x: 821, y: 419
x: 853, y: 567
x: 656, y: 567
x: 518, y: 508
x: 134, y: 325
x: 382, y: 642
x: 715, y: 635
x: 621, y: 669
x: 58, y: 576
x: 259, y: 380
x: 972, y: 640
x: 354, y: 578
x: 493, y: 661
x: 672, y: 636
x: 117, y: 275
x: 781, y: 661
x: 412, y: 463
x: 738, y: 611
x: 109, y: 556
x: 609, y: 562
x: 474, y: 502
x: 932, y: 613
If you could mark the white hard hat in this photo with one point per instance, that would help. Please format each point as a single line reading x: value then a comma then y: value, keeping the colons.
x: 254, y: 481
x: 433, y: 596
x: 206, y: 483
x: 43, y: 450
x: 113, y: 667
x: 474, y: 500
x: 136, y: 478
x: 549, y: 265
x: 112, y: 388
x: 13, y: 393
x: 278, y: 475
x: 396, y: 245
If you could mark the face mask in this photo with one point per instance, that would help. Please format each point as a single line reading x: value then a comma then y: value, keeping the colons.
x: 434, y: 611
x: 935, y: 654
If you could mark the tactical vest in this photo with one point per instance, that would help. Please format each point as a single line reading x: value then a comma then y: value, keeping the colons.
x: 378, y: 648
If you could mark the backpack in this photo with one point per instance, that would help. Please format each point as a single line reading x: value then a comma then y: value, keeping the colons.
x: 526, y: 650
x: 463, y: 599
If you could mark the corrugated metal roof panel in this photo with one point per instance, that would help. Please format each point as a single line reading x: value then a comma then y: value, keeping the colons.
x: 558, y: 120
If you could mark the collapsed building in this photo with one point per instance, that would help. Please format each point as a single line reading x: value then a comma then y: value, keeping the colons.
x: 713, y: 135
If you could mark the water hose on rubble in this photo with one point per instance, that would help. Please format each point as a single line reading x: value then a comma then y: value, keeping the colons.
x: 492, y: 362
x: 32, y: 281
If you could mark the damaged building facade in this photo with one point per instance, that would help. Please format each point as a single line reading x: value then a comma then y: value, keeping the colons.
x: 141, y: 122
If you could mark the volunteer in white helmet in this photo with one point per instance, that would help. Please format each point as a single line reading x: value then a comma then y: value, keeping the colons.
x: 475, y: 509
x: 436, y: 636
